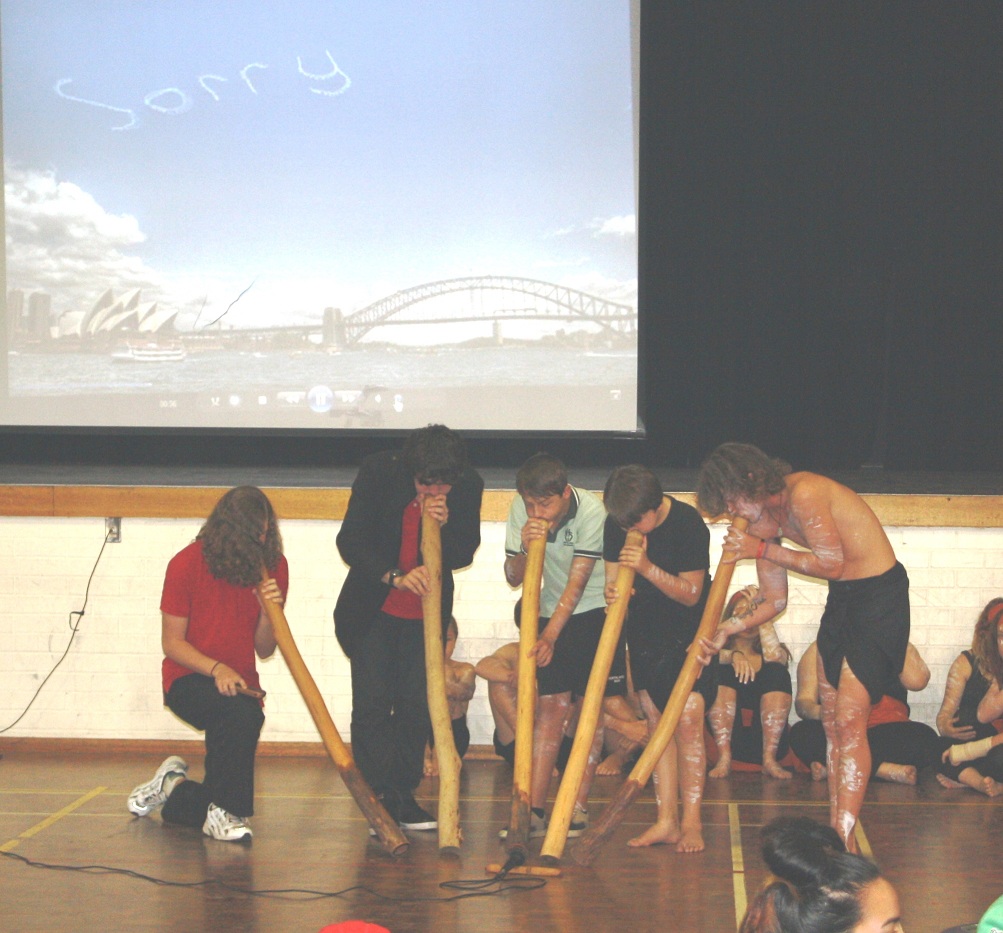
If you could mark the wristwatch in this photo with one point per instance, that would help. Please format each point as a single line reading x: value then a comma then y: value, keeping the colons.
x: 393, y: 575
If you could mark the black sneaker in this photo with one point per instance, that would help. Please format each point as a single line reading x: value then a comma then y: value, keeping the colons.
x: 412, y: 816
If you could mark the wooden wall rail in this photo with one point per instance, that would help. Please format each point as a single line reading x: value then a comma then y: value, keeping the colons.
x: 315, y: 503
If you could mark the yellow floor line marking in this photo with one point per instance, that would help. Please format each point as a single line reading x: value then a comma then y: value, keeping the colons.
x: 737, y: 863
x: 55, y: 817
x: 865, y: 846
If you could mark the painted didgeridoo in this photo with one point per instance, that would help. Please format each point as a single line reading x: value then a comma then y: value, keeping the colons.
x: 525, y: 710
x: 588, y: 717
x: 386, y: 829
x: 602, y: 829
x: 435, y: 677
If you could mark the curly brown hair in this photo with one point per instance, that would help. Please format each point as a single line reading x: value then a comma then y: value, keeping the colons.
x: 985, y: 645
x: 231, y: 537
x: 738, y: 470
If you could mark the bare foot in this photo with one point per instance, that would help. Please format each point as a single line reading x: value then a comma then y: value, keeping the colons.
x: 691, y: 841
x: 431, y: 768
x: 899, y: 774
x: 991, y: 788
x: 660, y: 834
x: 610, y: 766
x: 722, y: 769
x: 818, y: 771
x: 774, y: 770
x: 945, y: 781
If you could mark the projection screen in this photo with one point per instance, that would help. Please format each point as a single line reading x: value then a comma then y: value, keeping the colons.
x: 339, y: 214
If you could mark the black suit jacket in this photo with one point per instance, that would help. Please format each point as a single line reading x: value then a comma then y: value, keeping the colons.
x: 370, y: 538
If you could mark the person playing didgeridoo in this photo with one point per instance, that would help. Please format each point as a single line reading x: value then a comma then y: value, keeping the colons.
x: 572, y: 613
x: 671, y: 581
x: 378, y: 618
x: 213, y: 624
x: 864, y: 630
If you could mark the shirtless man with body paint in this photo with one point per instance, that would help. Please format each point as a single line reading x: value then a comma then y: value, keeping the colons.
x: 864, y: 629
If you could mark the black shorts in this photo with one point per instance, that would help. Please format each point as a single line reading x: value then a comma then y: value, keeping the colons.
x: 574, y: 654
x: 867, y: 623
x: 773, y: 677
x: 658, y: 670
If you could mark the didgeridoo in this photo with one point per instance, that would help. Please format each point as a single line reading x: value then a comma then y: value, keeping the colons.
x: 386, y: 829
x: 525, y: 710
x: 602, y: 829
x: 588, y: 717
x: 435, y: 676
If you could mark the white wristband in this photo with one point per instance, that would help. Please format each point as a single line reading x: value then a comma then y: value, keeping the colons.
x: 970, y: 751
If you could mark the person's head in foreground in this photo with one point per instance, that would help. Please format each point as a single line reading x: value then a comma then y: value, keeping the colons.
x: 819, y: 887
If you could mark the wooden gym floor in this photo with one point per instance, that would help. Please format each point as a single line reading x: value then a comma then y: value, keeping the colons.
x: 941, y: 849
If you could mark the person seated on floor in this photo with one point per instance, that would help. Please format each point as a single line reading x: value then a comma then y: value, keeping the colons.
x: 900, y: 747
x: 972, y: 711
x: 461, y: 681
x: 501, y: 671
x: 748, y: 719
x: 626, y: 731
x: 817, y: 885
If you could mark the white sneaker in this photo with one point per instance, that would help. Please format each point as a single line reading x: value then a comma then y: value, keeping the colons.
x: 579, y: 822
x: 147, y: 797
x: 225, y: 826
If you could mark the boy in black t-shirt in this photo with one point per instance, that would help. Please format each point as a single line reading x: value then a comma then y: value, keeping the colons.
x: 670, y: 590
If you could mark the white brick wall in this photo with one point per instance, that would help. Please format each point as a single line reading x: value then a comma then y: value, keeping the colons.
x: 109, y: 684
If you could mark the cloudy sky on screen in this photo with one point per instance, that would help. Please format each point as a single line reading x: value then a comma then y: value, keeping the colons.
x: 331, y: 153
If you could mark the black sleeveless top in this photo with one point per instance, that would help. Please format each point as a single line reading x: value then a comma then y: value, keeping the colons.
x: 974, y: 691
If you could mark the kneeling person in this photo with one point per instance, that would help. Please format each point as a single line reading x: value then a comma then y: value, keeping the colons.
x: 213, y: 624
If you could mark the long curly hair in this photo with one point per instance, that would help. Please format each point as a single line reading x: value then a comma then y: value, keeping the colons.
x: 231, y: 537
x: 985, y: 645
x: 738, y: 470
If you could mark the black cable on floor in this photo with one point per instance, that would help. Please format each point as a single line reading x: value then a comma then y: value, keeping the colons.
x: 479, y: 887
